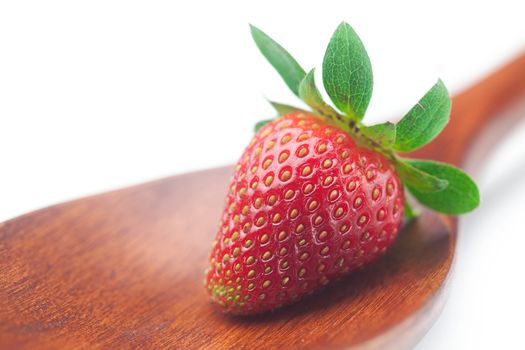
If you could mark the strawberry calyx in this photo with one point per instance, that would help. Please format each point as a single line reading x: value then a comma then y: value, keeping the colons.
x: 348, y: 81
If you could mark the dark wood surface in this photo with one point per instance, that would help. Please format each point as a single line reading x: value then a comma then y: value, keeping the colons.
x: 125, y: 269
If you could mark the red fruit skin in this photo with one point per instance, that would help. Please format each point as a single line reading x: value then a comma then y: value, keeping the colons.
x: 306, y: 205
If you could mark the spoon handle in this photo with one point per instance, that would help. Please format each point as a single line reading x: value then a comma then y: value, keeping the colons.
x: 473, y: 108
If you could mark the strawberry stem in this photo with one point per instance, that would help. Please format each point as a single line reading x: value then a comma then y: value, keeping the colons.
x: 353, y: 128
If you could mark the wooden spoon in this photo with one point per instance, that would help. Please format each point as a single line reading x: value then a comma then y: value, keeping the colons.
x: 125, y: 269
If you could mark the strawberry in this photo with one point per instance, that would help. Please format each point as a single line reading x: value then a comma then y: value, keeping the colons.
x: 306, y: 205
x: 318, y: 194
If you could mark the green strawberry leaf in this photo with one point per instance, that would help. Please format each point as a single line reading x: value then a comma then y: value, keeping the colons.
x: 284, y: 109
x: 347, y: 72
x: 425, y: 120
x: 410, y: 212
x: 261, y: 123
x: 419, y: 179
x: 384, y: 133
x: 280, y: 59
x: 459, y: 197
x: 309, y: 93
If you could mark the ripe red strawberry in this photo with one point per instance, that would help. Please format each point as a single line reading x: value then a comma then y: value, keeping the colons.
x: 306, y: 205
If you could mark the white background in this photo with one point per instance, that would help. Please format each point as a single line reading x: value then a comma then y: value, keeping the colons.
x: 96, y: 95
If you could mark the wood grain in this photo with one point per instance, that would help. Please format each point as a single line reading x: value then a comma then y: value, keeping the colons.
x: 124, y: 269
